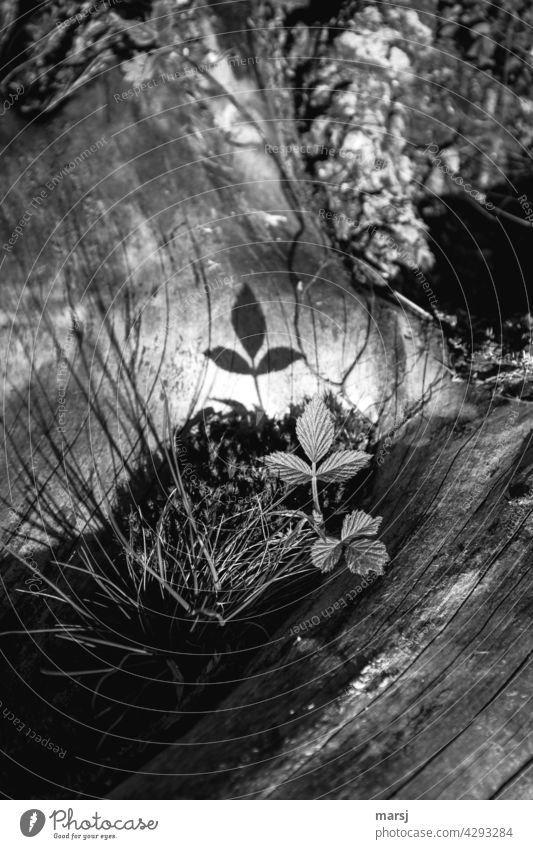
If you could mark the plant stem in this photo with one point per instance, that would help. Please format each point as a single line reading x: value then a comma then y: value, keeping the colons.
x: 314, y: 489
x: 256, y: 382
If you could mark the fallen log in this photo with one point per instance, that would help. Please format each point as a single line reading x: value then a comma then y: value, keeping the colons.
x: 138, y: 228
x: 416, y: 687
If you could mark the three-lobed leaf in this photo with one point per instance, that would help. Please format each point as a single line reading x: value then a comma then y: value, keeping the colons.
x: 361, y: 556
x: 360, y: 553
x: 342, y: 465
x: 314, y: 429
x: 290, y: 468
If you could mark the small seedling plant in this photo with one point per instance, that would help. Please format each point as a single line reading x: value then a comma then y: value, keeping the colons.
x: 357, y: 549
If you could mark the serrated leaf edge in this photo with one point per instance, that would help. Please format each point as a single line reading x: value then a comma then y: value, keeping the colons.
x: 290, y: 464
x: 314, y: 429
x: 369, y: 529
x: 335, y: 547
x: 325, y: 471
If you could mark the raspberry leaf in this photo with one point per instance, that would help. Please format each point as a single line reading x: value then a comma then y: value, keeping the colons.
x: 325, y: 554
x: 359, y: 524
x: 342, y: 465
x: 366, y: 556
x: 314, y: 429
x: 291, y: 469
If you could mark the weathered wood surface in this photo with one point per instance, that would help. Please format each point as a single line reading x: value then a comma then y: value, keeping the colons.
x: 113, y: 281
x: 118, y: 272
x: 421, y: 687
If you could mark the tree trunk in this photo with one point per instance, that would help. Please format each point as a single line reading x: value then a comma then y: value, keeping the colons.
x: 143, y: 219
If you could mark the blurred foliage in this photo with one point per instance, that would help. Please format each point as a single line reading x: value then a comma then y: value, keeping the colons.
x: 58, y: 46
x: 493, y: 38
x: 374, y: 85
